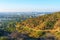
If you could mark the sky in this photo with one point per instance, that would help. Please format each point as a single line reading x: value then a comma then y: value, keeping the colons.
x: 29, y: 5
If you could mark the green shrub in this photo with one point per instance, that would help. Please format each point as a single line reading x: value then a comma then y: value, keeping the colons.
x: 4, y: 38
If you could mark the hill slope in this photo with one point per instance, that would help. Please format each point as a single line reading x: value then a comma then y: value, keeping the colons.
x: 39, y: 26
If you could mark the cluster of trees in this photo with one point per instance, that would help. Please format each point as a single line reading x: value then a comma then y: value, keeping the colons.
x: 9, y: 26
x: 6, y: 28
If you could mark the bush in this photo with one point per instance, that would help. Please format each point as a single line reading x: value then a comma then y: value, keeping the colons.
x: 4, y: 38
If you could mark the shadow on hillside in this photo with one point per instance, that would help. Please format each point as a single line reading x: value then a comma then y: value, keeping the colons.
x: 4, y: 33
x: 18, y: 36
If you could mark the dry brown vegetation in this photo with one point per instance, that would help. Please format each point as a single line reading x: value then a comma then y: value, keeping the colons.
x: 39, y: 26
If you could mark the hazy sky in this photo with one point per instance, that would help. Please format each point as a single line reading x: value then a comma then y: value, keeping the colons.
x: 29, y: 5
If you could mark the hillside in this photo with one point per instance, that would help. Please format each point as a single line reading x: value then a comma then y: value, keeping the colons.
x: 41, y: 25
